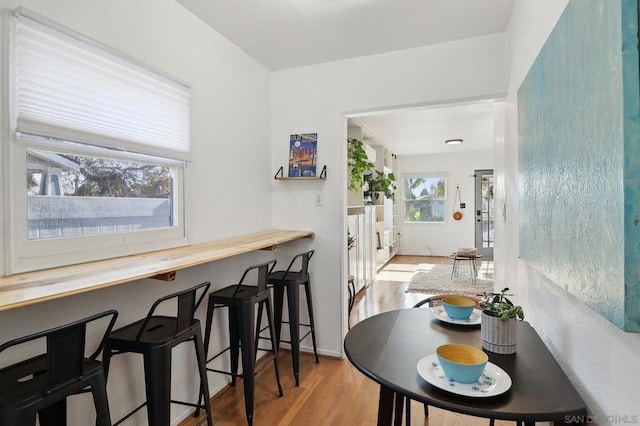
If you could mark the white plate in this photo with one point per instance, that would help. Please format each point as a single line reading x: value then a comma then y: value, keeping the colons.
x: 438, y: 312
x: 493, y: 381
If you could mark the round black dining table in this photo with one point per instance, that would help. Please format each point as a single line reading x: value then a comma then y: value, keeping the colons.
x: 387, y: 347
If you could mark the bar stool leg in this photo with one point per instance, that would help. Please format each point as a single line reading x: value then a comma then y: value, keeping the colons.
x: 307, y: 290
x: 54, y: 414
x: 245, y: 326
x: 258, y: 327
x: 202, y: 370
x: 278, y: 303
x: 234, y: 342
x: 99, y: 391
x: 207, y: 338
x: 207, y: 329
x: 273, y: 345
x: 293, y: 302
x: 272, y: 338
x: 158, y: 386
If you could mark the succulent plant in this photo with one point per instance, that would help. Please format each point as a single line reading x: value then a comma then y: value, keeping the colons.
x: 499, y: 306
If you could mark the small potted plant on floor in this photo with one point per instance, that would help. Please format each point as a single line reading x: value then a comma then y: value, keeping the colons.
x: 499, y: 322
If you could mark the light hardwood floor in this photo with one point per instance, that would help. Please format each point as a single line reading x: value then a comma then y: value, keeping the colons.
x: 333, y: 392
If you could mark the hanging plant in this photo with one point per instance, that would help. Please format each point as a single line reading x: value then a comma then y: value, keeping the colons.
x: 358, y: 164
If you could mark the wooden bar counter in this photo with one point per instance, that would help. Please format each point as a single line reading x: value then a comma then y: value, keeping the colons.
x: 49, y: 284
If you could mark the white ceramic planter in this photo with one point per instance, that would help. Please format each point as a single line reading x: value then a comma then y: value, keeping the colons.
x: 498, y: 336
x: 378, y: 198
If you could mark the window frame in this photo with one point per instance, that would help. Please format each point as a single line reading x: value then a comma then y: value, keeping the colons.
x: 28, y: 255
x: 24, y: 255
x: 442, y: 175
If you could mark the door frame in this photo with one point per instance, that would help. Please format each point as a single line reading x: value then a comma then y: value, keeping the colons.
x: 483, y: 214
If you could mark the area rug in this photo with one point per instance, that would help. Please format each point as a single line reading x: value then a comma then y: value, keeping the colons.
x: 436, y: 279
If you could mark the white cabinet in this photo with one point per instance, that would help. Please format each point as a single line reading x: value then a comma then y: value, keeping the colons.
x: 362, y: 257
x: 384, y: 232
x: 370, y: 244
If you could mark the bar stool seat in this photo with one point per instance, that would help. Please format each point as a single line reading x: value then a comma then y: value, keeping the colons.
x: 241, y: 299
x: 40, y: 385
x: 154, y: 337
x: 290, y: 281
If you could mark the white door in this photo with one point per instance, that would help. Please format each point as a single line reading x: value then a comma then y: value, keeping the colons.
x: 484, y: 203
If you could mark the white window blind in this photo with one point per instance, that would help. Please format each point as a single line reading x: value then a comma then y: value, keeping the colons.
x: 72, y: 89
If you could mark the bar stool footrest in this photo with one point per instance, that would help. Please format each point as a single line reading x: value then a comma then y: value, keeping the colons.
x: 301, y: 338
x: 131, y: 413
x: 213, y: 370
x: 301, y: 324
x: 218, y: 354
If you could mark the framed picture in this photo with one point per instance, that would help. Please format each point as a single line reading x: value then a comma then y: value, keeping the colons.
x: 302, y: 155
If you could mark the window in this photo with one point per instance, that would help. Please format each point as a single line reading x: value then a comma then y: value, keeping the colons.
x: 424, y: 198
x: 75, y: 195
x: 97, y: 151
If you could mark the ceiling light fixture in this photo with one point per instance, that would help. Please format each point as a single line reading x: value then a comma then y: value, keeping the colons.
x: 453, y: 141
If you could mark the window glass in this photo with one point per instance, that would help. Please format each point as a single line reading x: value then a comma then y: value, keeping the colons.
x: 76, y: 195
x: 424, y: 198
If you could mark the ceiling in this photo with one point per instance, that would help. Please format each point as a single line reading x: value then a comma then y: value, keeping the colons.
x: 283, y: 34
x: 424, y: 131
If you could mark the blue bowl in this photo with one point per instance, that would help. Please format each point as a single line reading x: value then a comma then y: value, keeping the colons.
x: 462, y: 363
x: 458, y: 307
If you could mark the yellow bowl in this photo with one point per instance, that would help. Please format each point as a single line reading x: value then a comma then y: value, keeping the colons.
x: 462, y: 363
x: 458, y: 307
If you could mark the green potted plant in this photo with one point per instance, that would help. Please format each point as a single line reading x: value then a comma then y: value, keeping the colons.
x: 381, y: 185
x: 351, y: 243
x: 498, y: 324
x: 351, y: 240
x: 358, y: 164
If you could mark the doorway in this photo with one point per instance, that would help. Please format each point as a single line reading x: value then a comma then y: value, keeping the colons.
x: 484, y: 202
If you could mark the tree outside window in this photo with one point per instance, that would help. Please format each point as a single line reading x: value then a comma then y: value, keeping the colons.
x: 74, y: 195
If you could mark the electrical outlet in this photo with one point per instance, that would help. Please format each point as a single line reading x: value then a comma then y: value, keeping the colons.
x: 319, y: 199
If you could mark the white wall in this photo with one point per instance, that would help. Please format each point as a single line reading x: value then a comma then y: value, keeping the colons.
x: 228, y: 181
x: 316, y: 99
x: 442, y: 239
x: 599, y: 358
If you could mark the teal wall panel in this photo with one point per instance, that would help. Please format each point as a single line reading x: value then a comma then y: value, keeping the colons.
x: 579, y: 161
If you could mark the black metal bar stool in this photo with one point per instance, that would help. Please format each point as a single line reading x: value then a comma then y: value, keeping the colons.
x: 352, y: 297
x: 291, y: 281
x: 41, y: 384
x: 241, y: 300
x: 154, y: 337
